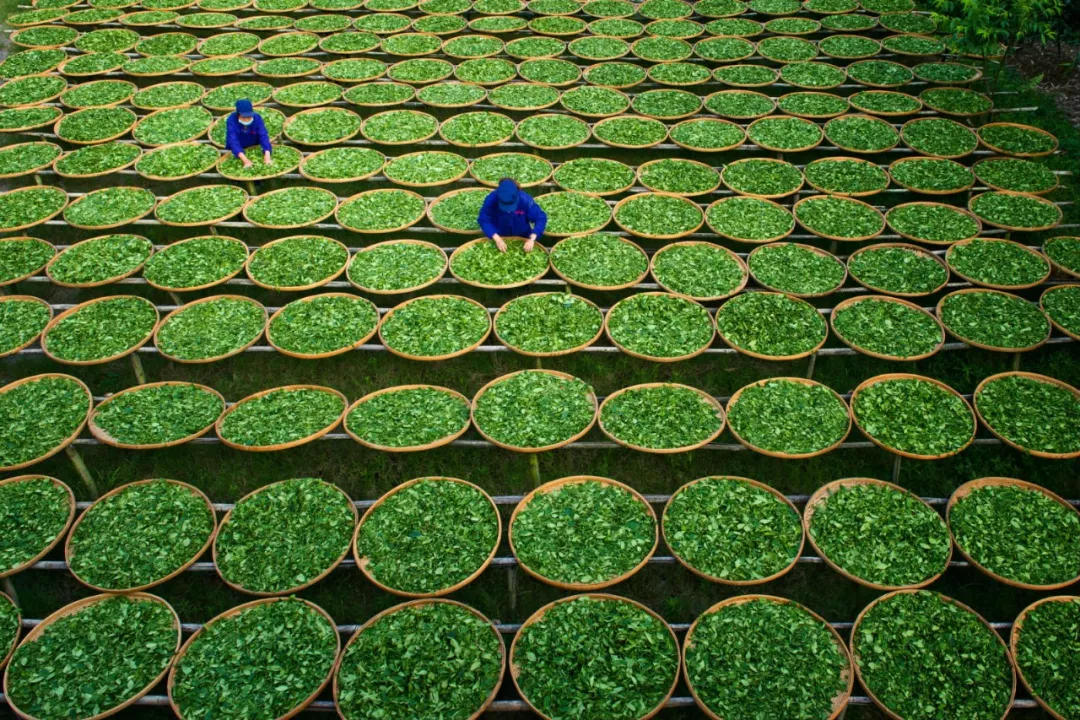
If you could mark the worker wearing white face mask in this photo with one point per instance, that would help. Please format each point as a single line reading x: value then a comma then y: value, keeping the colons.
x: 244, y: 129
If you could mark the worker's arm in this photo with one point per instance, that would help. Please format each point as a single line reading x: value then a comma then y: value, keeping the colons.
x: 538, y: 218
x: 232, y: 140
x: 488, y: 223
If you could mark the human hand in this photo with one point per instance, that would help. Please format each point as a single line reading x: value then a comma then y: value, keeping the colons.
x: 244, y: 159
x: 529, y: 243
x: 266, y: 157
x: 499, y: 242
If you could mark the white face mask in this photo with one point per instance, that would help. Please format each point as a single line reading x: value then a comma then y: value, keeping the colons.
x: 247, y: 122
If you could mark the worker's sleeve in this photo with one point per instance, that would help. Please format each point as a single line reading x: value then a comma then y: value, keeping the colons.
x: 487, y: 216
x: 537, y: 217
x: 232, y: 136
x: 264, y: 136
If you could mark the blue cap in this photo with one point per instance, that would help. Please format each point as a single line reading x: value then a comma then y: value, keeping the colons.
x: 243, y: 107
x: 507, y: 194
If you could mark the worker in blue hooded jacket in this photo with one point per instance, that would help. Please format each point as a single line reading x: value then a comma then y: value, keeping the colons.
x: 510, y: 212
x: 244, y: 129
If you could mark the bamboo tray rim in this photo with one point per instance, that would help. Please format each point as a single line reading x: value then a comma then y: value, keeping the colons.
x: 551, y: 353
x: 688, y: 243
x: 33, y: 339
x: 291, y: 443
x: 655, y: 358
x: 106, y: 438
x: 70, y: 497
x: 330, y: 353
x: 82, y: 306
x: 721, y: 415
x: 211, y: 298
x: 850, y: 302
x: 446, y: 439
x: 1026, y: 286
x: 776, y: 453
x: 1014, y: 641
x: 984, y: 346
x: 444, y: 356
x: 915, y: 249
x: 1012, y: 443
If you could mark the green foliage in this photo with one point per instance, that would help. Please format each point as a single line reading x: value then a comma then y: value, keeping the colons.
x: 483, y: 263
x: 201, y: 205
x: 526, y: 169
x: 660, y: 325
x: 408, y: 417
x: 435, y: 326
x: 788, y: 417
x: 1034, y: 414
x: 665, y: 417
x: 741, y: 105
x: 1025, y: 212
x: 572, y: 213
x: 749, y: 219
x: 993, y: 262
x: 939, y: 137
x: 594, y: 175
x: 381, y: 211
x: 477, y: 129
x: 1063, y: 307
x: 861, y: 134
x: 459, y: 211
x: 23, y: 256
x: 994, y: 319
x: 198, y: 262
x: 547, y: 323
x: 102, y: 329
x: 171, y: 126
x: 210, y: 329
x: 918, y: 651
x: 288, y: 533
x: 897, y: 270
x: 33, y: 513
x: 707, y: 134
x: 396, y: 267
x: 698, y: 270
x: 935, y: 175
x: 1047, y: 655
x: 322, y: 324
x: 846, y: 176
x: 30, y: 90
x: 888, y: 328
x: 27, y: 157
x: 914, y: 415
x: 796, y: 269
x: 177, y: 161
x: 762, y: 177
x: 78, y: 654
x: 771, y: 324
x: 881, y: 535
x: 266, y: 659
x: 21, y: 321
x: 814, y: 76
x: 429, y: 536
x: 553, y: 131
x: 155, y: 415
x: 534, y: 409
x: 839, y: 217
x: 95, y: 125
x: 101, y: 259
x: 30, y: 206
x: 110, y: 207
x: 599, y: 260
x: 630, y: 131
x: 437, y: 656
x: 657, y: 214
x: 617, y: 645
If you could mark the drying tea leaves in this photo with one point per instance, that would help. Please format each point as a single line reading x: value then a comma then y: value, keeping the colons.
x: 707, y: 135
x: 286, y: 534
x: 428, y: 536
x: 158, y: 414
x: 172, y: 126
x: 784, y: 416
x: 615, y: 74
x: 298, y: 262
x: 110, y: 207
x: 656, y: 214
x: 196, y: 263
x: 291, y: 207
x: 738, y: 664
x: 31, y: 90
x: 699, y: 270
x: 939, y: 137
x: 21, y: 321
x: 95, y: 125
x: 1017, y: 139
x: 994, y: 319
x: 534, y: 409
x: 796, y: 269
x: 813, y: 104
x: 548, y: 323
x: 888, y: 328
x: 526, y: 169
x: 167, y: 95
x: 599, y: 260
x: 97, y: 159
x: 884, y: 102
x: 38, y: 416
x: 451, y: 94
x: 787, y: 49
x: 435, y: 326
x: 323, y: 324
x: 552, y: 132
x: 682, y: 177
x: 919, y: 651
x: 78, y: 654
x: 178, y: 161
x: 381, y: 211
x: 861, y: 134
x: 482, y: 263
x: 620, y: 666
x: 723, y: 49
x: 881, y: 535
x: 459, y: 210
x: 437, y: 656
x: 771, y: 178
x: 477, y: 129
x: 996, y: 262
x: 99, y: 93
x: 956, y: 101
x: 836, y: 216
x: 201, y: 205
x: 523, y: 96
x: 307, y: 94
x: 271, y: 656
x: 630, y: 131
x: 597, y: 176
x: 749, y: 219
x: 396, y: 266
x: 100, y: 259
x: 880, y: 73
x: 398, y: 127
x: 914, y: 415
x: 740, y: 104
x: 1015, y: 175
x: 845, y: 176
x: 1025, y: 212
x: 30, y: 62
x: 679, y: 74
x: 771, y: 324
x: 102, y: 329
x: 813, y: 76
x: 587, y: 532
x: 25, y: 158
x: 30, y: 206
x: 140, y: 535
x: 33, y: 513
x: 1046, y: 654
x: 1063, y: 307
x: 408, y: 417
x: 932, y: 222
x: 1065, y: 252
x: 849, y: 46
x: 946, y: 72
x: 659, y: 325
x: 901, y: 271
x: 598, y: 47
x: 212, y: 328
x: 663, y: 417
x: 324, y: 126
x: 571, y: 213
x: 21, y: 257
x: 745, y: 75
x: 784, y: 133
x: 1035, y: 414
x: 934, y: 175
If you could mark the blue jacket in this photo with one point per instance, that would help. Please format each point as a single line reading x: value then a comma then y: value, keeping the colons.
x: 525, y: 220
x: 238, y: 137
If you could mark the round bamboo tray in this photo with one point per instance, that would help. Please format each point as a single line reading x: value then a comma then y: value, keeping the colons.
x: 664, y: 451
x: 58, y: 93
x: 504, y: 106
x: 319, y: 104
x: 874, y: 151
x: 753, y: 118
x: 644, y: 168
x: 35, y: 125
x: 108, y: 439
x: 982, y: 346
x: 53, y: 543
x: 839, y: 703
x: 631, y: 353
x: 1001, y: 151
x: 539, y: 615
x: 1056, y: 265
x: 190, y: 174
x: 773, y: 148
x: 262, y: 51
x: 302, y: 73
x: 214, y: 221
x: 687, y: 243
x: 579, y: 480
x: 975, y: 170
x: 1029, y: 376
x: 323, y: 143
x: 135, y: 126
x: 953, y: 113
x: 125, y: 166
x: 307, y: 223
x: 228, y: 517
x: 462, y: 249
x: 362, y: 562
x: 399, y: 228
x: 951, y: 156
x: 776, y: 76
x: 307, y: 176
x: 603, y: 193
x: 881, y: 356
x: 860, y: 238
x: 410, y: 141
x: 194, y: 70
x: 814, y: 116
x: 236, y: 611
x: 203, y: 361
x: 116, y: 491
x: 1042, y: 304
x: 551, y: 169
x: 32, y: 340
x: 583, y: 113
x: 909, y: 248
x: 594, y: 66
x: 318, y: 356
x: 36, y: 270
x: 204, y: 286
x: 445, y: 440
x: 418, y: 603
x: 71, y: 311
x: 553, y: 446
x: 421, y: 286
x: 254, y: 101
x: 445, y: 196
x: 517, y: 132
x: 825, y: 492
x: 62, y: 68
x: 493, y: 143
x: 1013, y: 228
x: 74, y: 608
x: 33, y: 170
x: 39, y: 221
x: 612, y: 143
x: 18, y: 631
x: 63, y: 443
x: 668, y: 118
x: 1014, y: 641
x: 445, y: 356
x: 470, y: 103
x: 755, y: 241
x: 725, y: 581
x: 776, y: 358
x: 924, y: 191
x: 1040, y: 281
x: 652, y: 236
x: 291, y: 167
x: 922, y: 378
x: 755, y: 195
x: 883, y: 113
x: 855, y: 655
x: 709, y: 150
x: 109, y: 226
x: 156, y: 74
x: 775, y: 453
x: 587, y: 286
x: 810, y: 248
x: 527, y: 353
x: 131, y: 88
